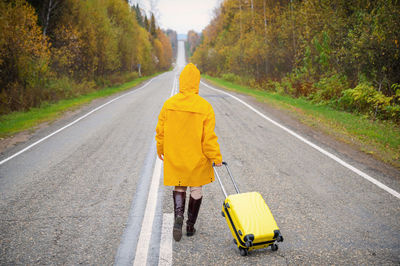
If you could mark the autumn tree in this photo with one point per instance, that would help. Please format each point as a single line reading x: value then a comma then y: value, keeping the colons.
x: 48, y: 11
x: 166, y: 56
x: 173, y: 39
x: 193, y: 39
x: 24, y: 57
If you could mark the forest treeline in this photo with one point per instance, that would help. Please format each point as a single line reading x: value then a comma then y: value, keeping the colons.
x: 339, y: 52
x: 56, y: 49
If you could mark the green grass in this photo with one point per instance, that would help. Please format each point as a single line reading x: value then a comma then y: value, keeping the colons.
x: 20, y: 121
x: 378, y: 138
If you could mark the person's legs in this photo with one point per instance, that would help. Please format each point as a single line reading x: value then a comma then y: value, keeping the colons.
x: 196, y: 192
x: 179, y: 195
x: 180, y: 189
x: 196, y: 195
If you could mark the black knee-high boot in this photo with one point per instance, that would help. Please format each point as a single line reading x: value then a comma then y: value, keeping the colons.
x: 179, y: 209
x: 193, y: 211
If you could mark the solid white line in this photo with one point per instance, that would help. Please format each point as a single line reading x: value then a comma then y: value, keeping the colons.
x: 74, y: 122
x: 165, y: 258
x: 142, y: 248
x: 330, y: 155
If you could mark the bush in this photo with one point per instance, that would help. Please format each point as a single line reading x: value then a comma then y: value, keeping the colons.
x: 130, y: 76
x: 116, y: 79
x: 366, y: 99
x: 102, y: 82
x: 393, y: 112
x: 286, y: 87
x: 66, y: 87
x: 329, y: 88
x: 231, y: 78
x: 61, y: 88
x: 301, y: 83
x: 272, y: 85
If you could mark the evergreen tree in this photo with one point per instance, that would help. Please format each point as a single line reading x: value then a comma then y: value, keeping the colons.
x: 153, y: 29
x: 146, y: 23
x: 139, y: 16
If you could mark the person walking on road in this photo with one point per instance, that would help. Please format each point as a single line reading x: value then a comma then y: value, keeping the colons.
x: 187, y: 144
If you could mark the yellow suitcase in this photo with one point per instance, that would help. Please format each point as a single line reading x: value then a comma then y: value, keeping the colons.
x: 249, y: 219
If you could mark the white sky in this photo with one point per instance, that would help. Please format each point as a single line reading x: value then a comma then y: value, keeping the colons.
x: 181, y: 15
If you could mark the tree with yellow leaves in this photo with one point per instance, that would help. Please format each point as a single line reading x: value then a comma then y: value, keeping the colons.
x: 24, y: 57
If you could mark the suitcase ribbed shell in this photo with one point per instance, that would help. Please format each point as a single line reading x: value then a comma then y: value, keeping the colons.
x: 246, y: 214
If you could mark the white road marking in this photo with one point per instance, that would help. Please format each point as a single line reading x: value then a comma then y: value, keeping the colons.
x: 143, y: 244
x: 330, y: 155
x: 147, y: 224
x: 142, y: 248
x: 74, y: 122
x: 165, y: 258
x: 173, y: 91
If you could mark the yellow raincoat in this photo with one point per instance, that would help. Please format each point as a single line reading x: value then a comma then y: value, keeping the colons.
x: 185, y: 134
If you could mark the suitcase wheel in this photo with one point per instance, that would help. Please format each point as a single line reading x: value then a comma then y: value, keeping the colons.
x: 223, y: 214
x: 235, y: 242
x: 248, y: 244
x: 243, y: 251
x: 249, y: 240
x: 274, y: 247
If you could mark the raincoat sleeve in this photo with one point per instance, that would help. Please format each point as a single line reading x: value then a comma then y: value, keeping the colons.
x: 209, y: 142
x: 160, y: 132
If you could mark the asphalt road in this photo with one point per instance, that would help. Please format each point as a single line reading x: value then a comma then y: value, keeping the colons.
x: 79, y: 196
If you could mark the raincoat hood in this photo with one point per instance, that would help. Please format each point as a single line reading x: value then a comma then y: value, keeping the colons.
x: 189, y: 80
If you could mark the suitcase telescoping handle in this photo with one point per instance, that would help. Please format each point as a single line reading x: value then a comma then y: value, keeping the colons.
x: 230, y: 175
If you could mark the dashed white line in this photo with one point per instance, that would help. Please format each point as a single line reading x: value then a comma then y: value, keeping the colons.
x: 165, y: 257
x: 330, y: 155
x: 147, y: 224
